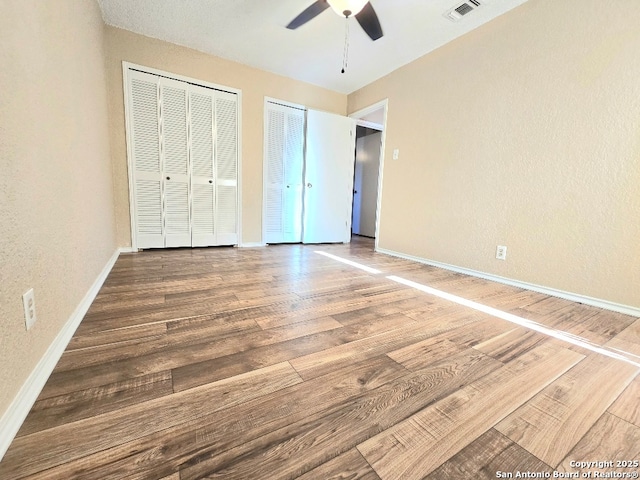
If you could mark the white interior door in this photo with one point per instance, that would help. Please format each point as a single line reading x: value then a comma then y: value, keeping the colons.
x: 357, y: 187
x: 328, y: 190
x: 293, y: 175
x: 365, y: 189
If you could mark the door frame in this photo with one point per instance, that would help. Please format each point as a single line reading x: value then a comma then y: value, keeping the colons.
x: 126, y: 67
x: 378, y: 128
x: 384, y: 104
x: 265, y: 177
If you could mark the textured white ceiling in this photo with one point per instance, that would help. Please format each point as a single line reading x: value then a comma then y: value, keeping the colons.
x: 253, y: 32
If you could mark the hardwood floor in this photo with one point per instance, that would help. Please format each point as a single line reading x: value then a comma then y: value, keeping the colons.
x: 278, y: 362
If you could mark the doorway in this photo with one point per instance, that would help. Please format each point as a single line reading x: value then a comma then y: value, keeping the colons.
x: 368, y: 168
x: 365, y: 181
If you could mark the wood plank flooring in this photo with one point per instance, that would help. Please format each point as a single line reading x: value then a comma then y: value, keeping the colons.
x: 280, y: 363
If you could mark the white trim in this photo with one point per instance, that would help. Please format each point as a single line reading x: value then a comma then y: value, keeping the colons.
x: 127, y: 250
x: 128, y: 140
x: 252, y: 245
x: 363, y: 112
x: 239, y: 181
x: 263, y: 230
x: 574, y: 297
x: 372, y: 125
x: 359, y: 114
x: 284, y: 103
x: 182, y: 78
x: 19, y: 408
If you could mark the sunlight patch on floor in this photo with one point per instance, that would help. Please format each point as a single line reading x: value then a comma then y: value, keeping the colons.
x: 349, y: 262
x: 509, y: 317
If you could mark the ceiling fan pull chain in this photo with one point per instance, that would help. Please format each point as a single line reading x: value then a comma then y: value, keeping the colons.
x: 346, y: 45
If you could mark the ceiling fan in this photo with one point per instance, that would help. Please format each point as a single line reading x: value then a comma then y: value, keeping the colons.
x: 361, y: 9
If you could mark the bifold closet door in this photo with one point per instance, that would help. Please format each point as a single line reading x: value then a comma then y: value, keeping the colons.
x: 175, y: 162
x: 160, y: 161
x: 214, y: 166
x: 284, y: 150
x: 203, y: 191
x: 226, y: 167
x: 184, y: 162
x: 147, y: 184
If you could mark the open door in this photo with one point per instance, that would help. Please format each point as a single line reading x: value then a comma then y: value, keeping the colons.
x: 365, y: 183
x: 328, y: 185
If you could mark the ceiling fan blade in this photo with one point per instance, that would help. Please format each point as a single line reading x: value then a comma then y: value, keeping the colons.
x: 368, y: 20
x: 311, y: 12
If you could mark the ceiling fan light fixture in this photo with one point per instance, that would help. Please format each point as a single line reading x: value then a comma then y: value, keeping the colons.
x: 347, y: 8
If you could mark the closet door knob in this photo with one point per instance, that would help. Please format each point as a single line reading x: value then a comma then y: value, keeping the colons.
x: 168, y: 178
x: 309, y: 185
x: 210, y: 181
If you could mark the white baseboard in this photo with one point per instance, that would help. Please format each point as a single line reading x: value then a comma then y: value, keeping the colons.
x: 574, y: 297
x: 251, y: 245
x: 15, y: 415
x: 127, y: 250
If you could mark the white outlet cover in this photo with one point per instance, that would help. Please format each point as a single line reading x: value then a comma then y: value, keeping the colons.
x: 29, y: 303
x: 396, y: 153
x: 501, y: 252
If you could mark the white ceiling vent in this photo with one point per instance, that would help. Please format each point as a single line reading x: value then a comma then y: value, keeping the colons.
x: 464, y: 8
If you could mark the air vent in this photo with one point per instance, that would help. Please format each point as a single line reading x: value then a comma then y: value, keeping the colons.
x: 462, y: 9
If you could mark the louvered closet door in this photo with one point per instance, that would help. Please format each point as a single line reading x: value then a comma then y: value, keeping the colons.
x: 145, y: 149
x: 175, y: 161
x: 274, y: 174
x: 183, y: 142
x: 284, y: 151
x: 226, y: 167
x: 203, y: 225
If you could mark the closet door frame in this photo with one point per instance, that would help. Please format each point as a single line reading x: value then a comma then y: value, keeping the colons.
x: 126, y: 68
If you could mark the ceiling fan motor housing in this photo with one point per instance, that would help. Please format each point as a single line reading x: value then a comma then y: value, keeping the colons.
x: 361, y: 9
x: 347, y: 8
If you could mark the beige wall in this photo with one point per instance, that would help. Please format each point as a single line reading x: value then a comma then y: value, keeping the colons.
x: 255, y: 85
x: 524, y: 133
x: 57, y: 227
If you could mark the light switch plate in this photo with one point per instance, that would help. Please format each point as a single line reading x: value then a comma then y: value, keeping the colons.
x: 29, y: 303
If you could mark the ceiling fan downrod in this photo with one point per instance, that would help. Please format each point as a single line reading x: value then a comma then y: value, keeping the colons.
x: 345, y: 56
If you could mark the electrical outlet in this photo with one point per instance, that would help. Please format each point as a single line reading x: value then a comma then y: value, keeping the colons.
x: 501, y: 252
x: 396, y: 153
x: 29, y: 302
